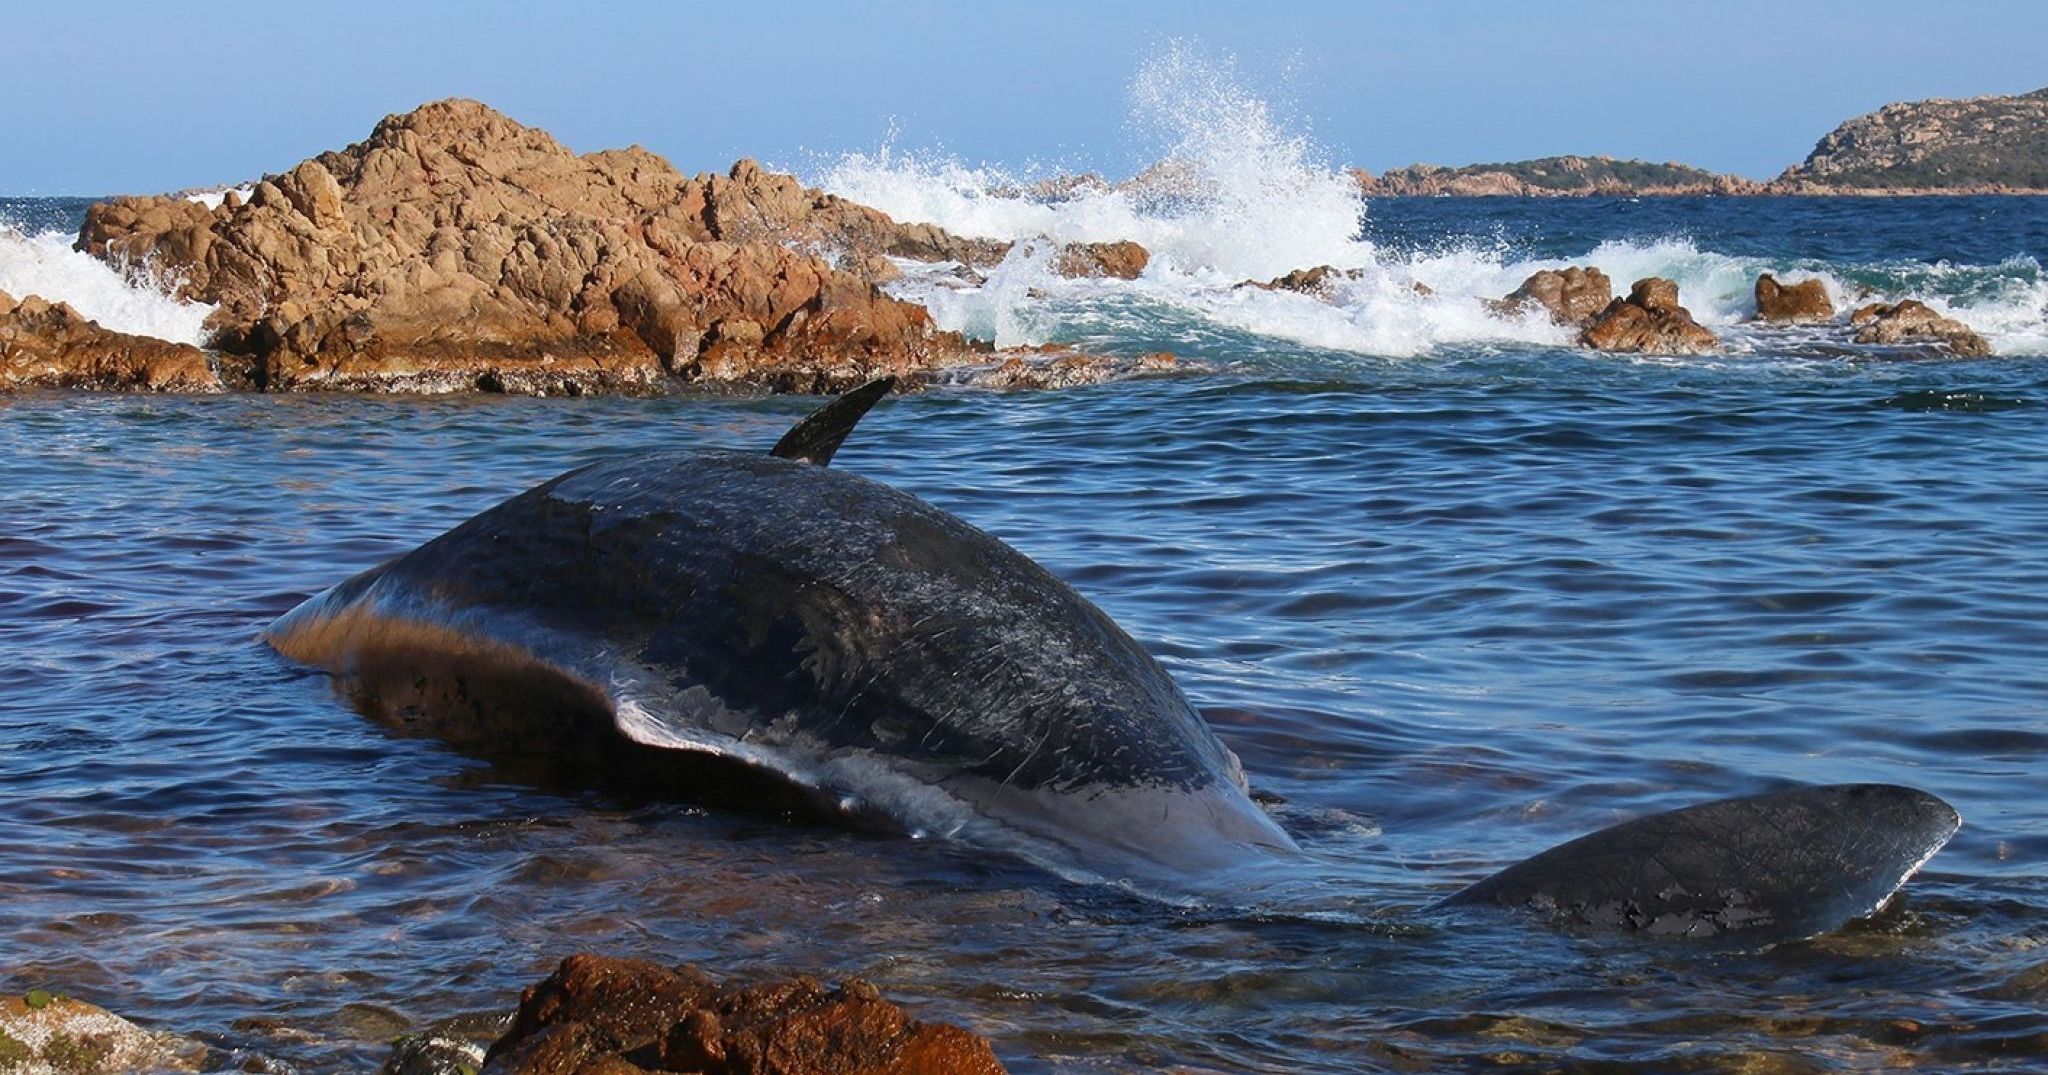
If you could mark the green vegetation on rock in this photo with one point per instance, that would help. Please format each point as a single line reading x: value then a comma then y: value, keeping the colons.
x: 1939, y: 144
x: 14, y: 1053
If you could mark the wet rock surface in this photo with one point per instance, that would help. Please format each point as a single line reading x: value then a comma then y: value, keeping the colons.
x: 47, y: 344
x: 1649, y: 321
x: 618, y: 1016
x: 1572, y: 295
x: 1912, y: 322
x: 1320, y: 281
x: 46, y: 1034
x: 1123, y: 260
x: 1805, y: 302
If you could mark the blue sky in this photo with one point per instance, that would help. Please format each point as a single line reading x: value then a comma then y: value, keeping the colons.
x: 110, y: 97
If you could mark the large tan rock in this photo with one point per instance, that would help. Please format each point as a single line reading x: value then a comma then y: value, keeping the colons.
x: 1572, y: 295
x: 41, y: 1034
x: 602, y: 1016
x: 47, y: 344
x: 1914, y: 322
x: 1805, y: 302
x: 1649, y: 321
x: 456, y: 247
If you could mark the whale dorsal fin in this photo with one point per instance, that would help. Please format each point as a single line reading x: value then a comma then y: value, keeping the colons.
x: 814, y: 439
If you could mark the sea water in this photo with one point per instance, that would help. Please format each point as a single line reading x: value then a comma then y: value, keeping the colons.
x: 1453, y: 590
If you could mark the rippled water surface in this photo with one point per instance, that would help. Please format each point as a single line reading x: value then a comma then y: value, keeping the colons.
x: 1453, y: 608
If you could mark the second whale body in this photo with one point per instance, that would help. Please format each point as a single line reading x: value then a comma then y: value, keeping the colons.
x: 892, y: 662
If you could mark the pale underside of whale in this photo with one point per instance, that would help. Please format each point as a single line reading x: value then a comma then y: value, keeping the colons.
x: 894, y: 663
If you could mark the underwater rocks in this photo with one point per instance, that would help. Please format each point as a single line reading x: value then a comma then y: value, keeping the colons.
x: 1648, y: 321
x: 1060, y: 366
x: 1913, y: 322
x: 455, y: 247
x: 1803, y: 303
x: 47, y: 344
x: 1572, y: 295
x: 619, y: 1016
x: 45, y: 1034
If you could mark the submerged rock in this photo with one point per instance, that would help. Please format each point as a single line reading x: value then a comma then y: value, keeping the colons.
x: 1649, y: 321
x: 47, y: 344
x: 1805, y: 302
x: 1914, y: 322
x: 433, y: 1054
x: 617, y: 1016
x: 456, y: 248
x: 1060, y: 366
x: 42, y: 1034
x: 1573, y: 295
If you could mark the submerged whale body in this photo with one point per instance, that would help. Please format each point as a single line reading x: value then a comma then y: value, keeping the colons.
x: 887, y: 659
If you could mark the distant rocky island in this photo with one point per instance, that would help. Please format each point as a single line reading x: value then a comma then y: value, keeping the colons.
x: 1976, y: 145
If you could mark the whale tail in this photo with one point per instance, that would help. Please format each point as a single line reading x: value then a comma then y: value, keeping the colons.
x: 1780, y: 866
x: 816, y: 438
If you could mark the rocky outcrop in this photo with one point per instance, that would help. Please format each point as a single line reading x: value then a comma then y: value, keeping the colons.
x: 1977, y: 144
x: 43, y: 1034
x: 601, y: 1016
x: 1572, y: 295
x: 455, y: 247
x: 1550, y: 177
x: 1803, y: 303
x: 1911, y: 322
x: 1124, y: 260
x: 1648, y: 321
x: 50, y: 345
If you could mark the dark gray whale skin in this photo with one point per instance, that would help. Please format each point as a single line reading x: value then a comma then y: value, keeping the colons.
x: 820, y: 625
x: 1790, y: 863
x: 893, y: 662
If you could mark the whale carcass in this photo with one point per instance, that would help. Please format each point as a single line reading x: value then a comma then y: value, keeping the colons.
x: 887, y: 659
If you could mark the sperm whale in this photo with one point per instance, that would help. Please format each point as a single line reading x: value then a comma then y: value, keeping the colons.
x: 887, y: 659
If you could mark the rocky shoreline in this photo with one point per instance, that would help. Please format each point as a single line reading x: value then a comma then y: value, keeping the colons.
x: 595, y: 1015
x: 456, y: 250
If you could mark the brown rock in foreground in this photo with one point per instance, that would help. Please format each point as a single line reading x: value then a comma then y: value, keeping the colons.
x: 1914, y: 322
x: 41, y: 1034
x: 1649, y: 321
x: 47, y: 344
x: 1805, y: 302
x: 1572, y: 295
x: 618, y: 1016
x: 457, y: 248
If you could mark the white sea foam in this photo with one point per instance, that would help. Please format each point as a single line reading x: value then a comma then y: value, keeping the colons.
x: 212, y: 199
x: 45, y: 265
x: 1241, y: 199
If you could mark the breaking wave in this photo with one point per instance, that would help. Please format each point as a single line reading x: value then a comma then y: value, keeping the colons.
x: 44, y: 264
x: 1240, y: 198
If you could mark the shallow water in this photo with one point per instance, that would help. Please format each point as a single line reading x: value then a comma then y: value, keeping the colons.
x: 1453, y: 607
